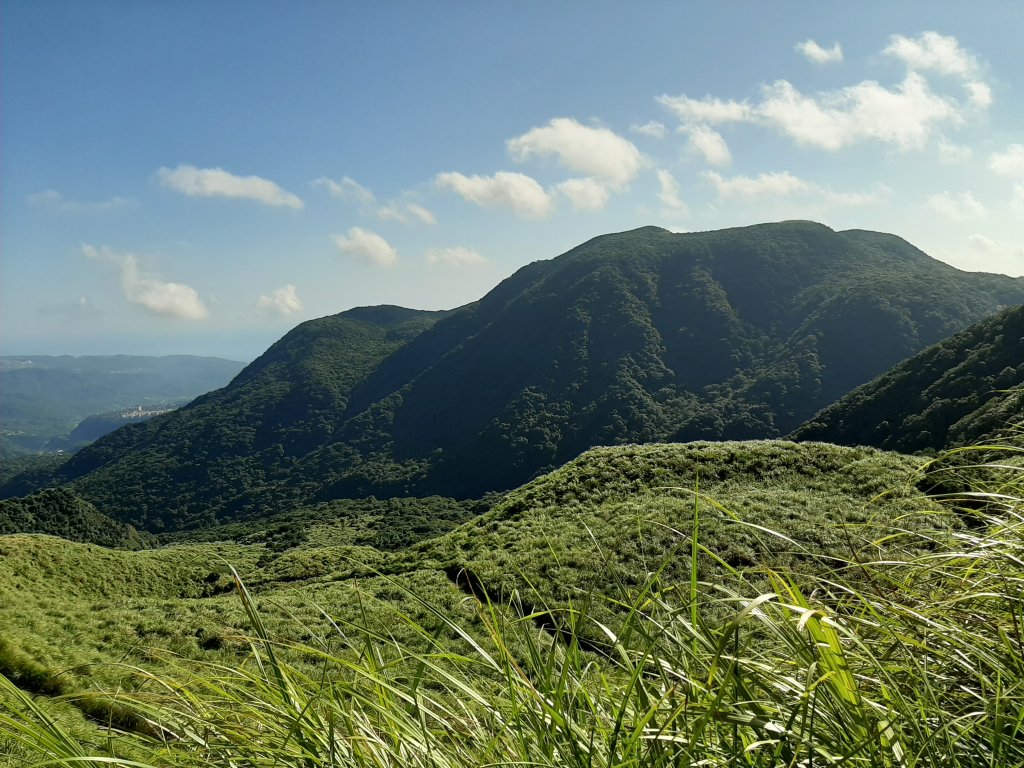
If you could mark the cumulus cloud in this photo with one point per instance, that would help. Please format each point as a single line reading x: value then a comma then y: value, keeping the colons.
x: 669, y: 194
x: 585, y: 194
x: 366, y: 245
x: 942, y: 54
x: 54, y: 199
x: 405, y: 212
x: 151, y: 293
x: 707, y: 110
x: 708, y: 143
x: 1009, y: 162
x: 458, y: 256
x: 346, y: 189
x: 514, y: 191
x: 956, y: 207
x: 594, y: 152
x: 652, y: 128
x: 283, y: 301
x: 819, y: 55
x: 904, y: 116
x: 216, y: 182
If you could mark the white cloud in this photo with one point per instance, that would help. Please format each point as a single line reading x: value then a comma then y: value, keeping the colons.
x: 1017, y: 201
x: 595, y: 152
x: 853, y: 199
x: 1009, y: 162
x: 216, y: 182
x: 904, y: 116
x: 994, y: 256
x: 405, y: 212
x: 931, y: 51
x: 151, y: 293
x: 585, y: 194
x: 669, y: 194
x: 764, y: 185
x: 283, y: 301
x: 458, y: 256
x: 954, y: 154
x: 347, y: 189
x: 77, y: 309
x: 956, y: 207
x: 54, y: 199
x: 819, y: 55
x: 366, y: 245
x: 709, y: 144
x: 707, y: 110
x: 515, y: 191
x: 651, y: 128
x: 979, y: 93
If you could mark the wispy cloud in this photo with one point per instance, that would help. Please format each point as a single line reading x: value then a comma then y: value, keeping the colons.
x: 366, y: 245
x: 346, y: 189
x: 942, y: 54
x: 459, y: 256
x: 652, y: 128
x: 956, y: 207
x: 593, y: 152
x: 784, y: 184
x: 819, y: 55
x: 283, y: 301
x: 54, y: 199
x: 515, y: 191
x: 216, y: 182
x: 149, y: 292
x: 79, y: 308
x: 405, y: 212
x: 669, y: 194
x: 708, y: 144
x: 954, y: 154
x: 1009, y: 162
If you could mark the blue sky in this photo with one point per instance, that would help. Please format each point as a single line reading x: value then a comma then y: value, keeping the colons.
x: 198, y: 177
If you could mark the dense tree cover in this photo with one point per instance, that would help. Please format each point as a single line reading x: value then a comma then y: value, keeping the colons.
x: 44, y: 397
x: 956, y: 392
x: 59, y: 512
x: 641, y: 336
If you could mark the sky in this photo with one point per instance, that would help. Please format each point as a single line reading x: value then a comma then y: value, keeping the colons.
x: 200, y: 177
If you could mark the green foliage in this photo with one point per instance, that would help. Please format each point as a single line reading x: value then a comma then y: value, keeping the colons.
x: 908, y: 657
x: 59, y: 512
x: 636, y: 337
x: 958, y: 392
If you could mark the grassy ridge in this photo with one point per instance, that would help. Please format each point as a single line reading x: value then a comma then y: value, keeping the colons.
x: 905, y: 652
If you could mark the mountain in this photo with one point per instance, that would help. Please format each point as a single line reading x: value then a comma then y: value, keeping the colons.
x: 956, y: 392
x: 45, y: 397
x: 641, y: 336
x: 59, y: 512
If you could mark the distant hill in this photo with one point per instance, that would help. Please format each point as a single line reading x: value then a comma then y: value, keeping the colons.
x: 59, y: 512
x: 46, y: 397
x: 641, y: 336
x: 957, y: 392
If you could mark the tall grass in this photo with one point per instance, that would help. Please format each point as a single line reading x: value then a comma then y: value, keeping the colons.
x: 916, y: 659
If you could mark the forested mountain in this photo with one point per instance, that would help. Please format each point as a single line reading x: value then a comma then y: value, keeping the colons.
x: 639, y: 336
x: 45, y: 397
x: 59, y: 512
x: 956, y: 392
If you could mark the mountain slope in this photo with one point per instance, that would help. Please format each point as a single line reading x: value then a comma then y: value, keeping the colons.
x: 639, y: 336
x: 953, y: 393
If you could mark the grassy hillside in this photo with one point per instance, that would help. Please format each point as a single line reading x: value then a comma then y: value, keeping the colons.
x: 641, y: 336
x: 743, y: 603
x: 957, y: 392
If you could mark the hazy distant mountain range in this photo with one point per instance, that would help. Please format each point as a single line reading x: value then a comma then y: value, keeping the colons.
x: 640, y: 336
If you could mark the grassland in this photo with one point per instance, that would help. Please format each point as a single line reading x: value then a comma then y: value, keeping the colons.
x: 719, y: 603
